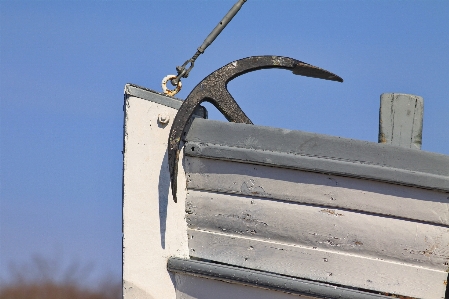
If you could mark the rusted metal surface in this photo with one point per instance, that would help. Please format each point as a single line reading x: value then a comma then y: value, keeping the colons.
x: 167, y: 91
x: 213, y: 89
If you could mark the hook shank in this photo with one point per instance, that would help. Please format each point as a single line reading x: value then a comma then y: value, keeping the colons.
x: 213, y: 89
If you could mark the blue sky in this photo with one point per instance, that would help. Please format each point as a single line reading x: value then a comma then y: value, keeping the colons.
x: 64, y: 64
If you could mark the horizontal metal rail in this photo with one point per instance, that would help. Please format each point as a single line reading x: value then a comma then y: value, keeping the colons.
x: 265, y: 280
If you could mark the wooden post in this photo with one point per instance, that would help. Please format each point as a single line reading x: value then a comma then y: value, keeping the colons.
x: 401, y: 120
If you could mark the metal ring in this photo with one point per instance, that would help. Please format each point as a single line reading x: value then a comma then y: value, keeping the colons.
x: 170, y: 92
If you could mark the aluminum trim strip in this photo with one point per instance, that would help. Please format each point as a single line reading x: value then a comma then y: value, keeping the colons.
x: 264, y: 279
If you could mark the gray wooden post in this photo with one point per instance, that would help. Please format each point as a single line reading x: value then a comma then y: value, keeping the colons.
x: 401, y: 120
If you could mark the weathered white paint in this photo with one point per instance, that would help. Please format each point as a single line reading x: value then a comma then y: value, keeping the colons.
x: 317, y: 264
x: 333, y: 229
x: 349, y: 232
x: 401, y: 120
x: 318, y: 189
x: 154, y: 227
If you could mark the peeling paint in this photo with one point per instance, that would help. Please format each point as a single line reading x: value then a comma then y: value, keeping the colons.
x: 246, y: 217
x: 281, y: 249
x: 250, y: 188
x: 358, y: 243
x: 331, y: 212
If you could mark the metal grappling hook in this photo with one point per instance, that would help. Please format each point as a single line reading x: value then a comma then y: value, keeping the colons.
x: 213, y: 89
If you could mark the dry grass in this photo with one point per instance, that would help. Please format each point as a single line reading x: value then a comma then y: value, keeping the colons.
x: 47, y: 279
x: 55, y: 291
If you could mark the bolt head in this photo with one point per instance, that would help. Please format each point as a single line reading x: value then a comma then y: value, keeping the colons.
x: 163, y: 119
